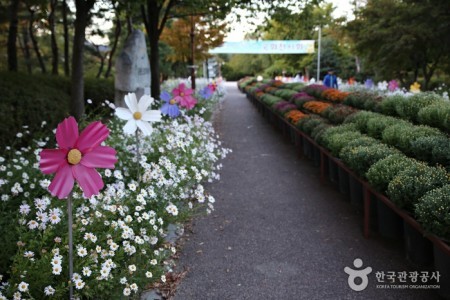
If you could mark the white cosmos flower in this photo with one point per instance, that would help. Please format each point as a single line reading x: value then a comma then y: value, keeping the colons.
x: 137, y: 114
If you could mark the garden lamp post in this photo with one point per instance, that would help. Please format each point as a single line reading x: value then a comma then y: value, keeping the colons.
x: 318, y: 52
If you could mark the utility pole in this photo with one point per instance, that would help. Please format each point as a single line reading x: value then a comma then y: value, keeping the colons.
x: 192, y: 66
x: 318, y: 53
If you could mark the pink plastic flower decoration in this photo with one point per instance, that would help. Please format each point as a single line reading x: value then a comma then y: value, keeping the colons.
x: 183, y: 96
x: 393, y: 85
x: 77, y: 157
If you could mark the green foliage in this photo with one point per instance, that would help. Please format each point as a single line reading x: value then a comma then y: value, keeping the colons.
x: 409, y: 185
x: 389, y: 104
x: 360, y: 119
x: 335, y: 140
x: 338, y: 113
x: 433, y: 212
x: 284, y: 93
x: 270, y: 99
x: 436, y: 115
x: 396, y: 40
x: 361, y: 158
x: 409, y: 107
x: 319, y: 130
x: 364, y: 100
x: 309, y: 123
x: 402, y: 135
x: 28, y: 100
x: 376, y: 125
x: 383, y: 171
x: 296, y: 86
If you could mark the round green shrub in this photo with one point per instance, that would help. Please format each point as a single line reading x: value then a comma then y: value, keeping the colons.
x: 389, y: 105
x: 318, y: 131
x: 336, y: 114
x: 334, y: 140
x: 409, y: 185
x: 402, y: 135
x: 361, y: 158
x: 441, y: 153
x: 363, y: 100
x: 360, y: 119
x: 376, y: 126
x: 410, y: 108
x: 383, y: 171
x: 433, y: 212
x: 436, y: 115
x: 310, y: 122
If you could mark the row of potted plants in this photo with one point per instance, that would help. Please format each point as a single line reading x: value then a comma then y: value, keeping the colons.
x: 391, y: 154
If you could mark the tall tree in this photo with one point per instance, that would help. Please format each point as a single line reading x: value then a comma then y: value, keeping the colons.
x: 117, y: 32
x: 32, y: 11
x: 65, y: 10
x: 83, y: 9
x: 402, y: 39
x: 54, y: 45
x: 12, y: 35
x: 155, y: 16
x: 177, y: 35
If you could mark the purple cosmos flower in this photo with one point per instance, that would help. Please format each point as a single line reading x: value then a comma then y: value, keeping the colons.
x: 170, y: 107
x: 206, y: 92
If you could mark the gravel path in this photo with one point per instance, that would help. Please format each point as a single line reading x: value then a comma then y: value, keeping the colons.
x: 277, y: 232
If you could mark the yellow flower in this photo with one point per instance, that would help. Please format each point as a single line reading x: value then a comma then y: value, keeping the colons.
x: 415, y: 87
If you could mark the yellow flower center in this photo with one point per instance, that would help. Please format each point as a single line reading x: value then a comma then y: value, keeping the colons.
x: 173, y: 101
x: 182, y: 94
x: 74, y: 156
x: 137, y: 115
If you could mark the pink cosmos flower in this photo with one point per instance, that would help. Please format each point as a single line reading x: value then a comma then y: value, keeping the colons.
x: 77, y: 157
x: 183, y: 96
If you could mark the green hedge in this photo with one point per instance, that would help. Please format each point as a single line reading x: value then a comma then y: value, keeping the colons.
x: 28, y: 100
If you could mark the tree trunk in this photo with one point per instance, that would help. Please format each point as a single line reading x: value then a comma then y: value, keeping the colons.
x: 26, y: 49
x: 117, y: 32
x: 192, y: 35
x: 83, y: 8
x: 12, y: 36
x: 154, y: 29
x: 54, y: 45
x: 151, y: 26
x: 35, y: 42
x: 66, y: 39
x: 100, y: 69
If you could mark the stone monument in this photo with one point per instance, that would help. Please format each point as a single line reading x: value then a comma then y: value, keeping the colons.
x: 132, y: 68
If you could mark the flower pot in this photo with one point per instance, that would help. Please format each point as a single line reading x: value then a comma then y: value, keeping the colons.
x: 333, y: 172
x: 442, y: 264
x: 418, y: 248
x: 390, y: 225
x: 356, y: 193
x: 307, y: 149
x: 316, y: 155
x: 344, y: 184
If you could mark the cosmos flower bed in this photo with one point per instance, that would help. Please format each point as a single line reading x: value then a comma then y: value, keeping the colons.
x: 118, y: 233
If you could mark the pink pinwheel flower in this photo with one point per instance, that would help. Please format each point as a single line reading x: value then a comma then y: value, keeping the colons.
x: 183, y: 96
x: 77, y: 158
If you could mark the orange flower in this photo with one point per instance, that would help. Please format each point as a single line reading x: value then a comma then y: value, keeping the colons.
x: 294, y: 116
x: 277, y: 83
x: 269, y: 88
x: 334, y: 95
x: 316, y: 106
